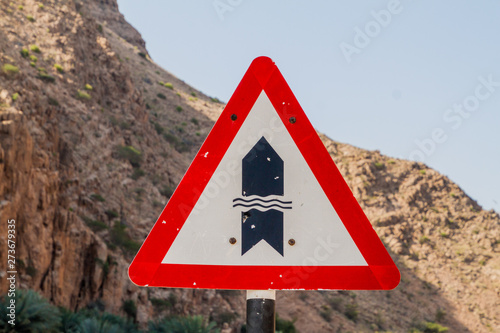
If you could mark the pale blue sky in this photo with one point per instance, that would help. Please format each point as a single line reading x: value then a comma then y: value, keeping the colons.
x: 386, y: 87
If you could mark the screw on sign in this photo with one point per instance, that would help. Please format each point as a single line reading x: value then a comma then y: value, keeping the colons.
x: 263, y: 208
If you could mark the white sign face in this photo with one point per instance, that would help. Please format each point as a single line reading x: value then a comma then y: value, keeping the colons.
x: 263, y: 206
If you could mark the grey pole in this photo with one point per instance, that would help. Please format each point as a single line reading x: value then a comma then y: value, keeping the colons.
x: 261, y: 311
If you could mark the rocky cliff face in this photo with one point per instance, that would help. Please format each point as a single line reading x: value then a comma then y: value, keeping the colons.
x: 47, y: 139
x: 94, y: 137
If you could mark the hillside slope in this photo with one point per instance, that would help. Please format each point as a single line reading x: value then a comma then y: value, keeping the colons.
x: 94, y: 137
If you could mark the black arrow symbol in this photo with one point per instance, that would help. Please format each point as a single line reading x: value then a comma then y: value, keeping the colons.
x: 262, y: 175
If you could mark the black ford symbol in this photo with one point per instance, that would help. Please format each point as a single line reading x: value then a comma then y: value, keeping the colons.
x: 262, y: 183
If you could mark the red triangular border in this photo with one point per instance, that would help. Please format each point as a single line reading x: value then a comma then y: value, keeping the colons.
x: 146, y: 268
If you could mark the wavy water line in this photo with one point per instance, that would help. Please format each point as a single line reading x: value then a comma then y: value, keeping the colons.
x: 255, y: 205
x: 266, y: 209
x: 261, y: 200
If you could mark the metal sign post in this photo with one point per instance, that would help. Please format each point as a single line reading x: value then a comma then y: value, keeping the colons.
x: 261, y: 316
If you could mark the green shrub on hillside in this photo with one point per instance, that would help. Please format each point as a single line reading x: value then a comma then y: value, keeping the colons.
x: 175, y: 142
x: 53, y: 101
x: 35, y: 48
x: 94, y: 325
x: 167, y: 191
x: 82, y: 95
x: 95, y: 225
x: 59, y: 68
x: 335, y: 303
x: 424, y: 239
x: 94, y: 321
x: 158, y: 128
x: 46, y: 77
x: 440, y: 314
x: 137, y: 173
x: 285, y: 326
x: 130, y: 154
x: 429, y: 327
x: 379, y: 165
x: 97, y: 197
x: 130, y: 308
x: 70, y: 321
x: 326, y: 313
x: 24, y: 52
x: 10, y: 69
x: 161, y: 304
x: 351, y: 311
x: 195, y: 324
x: 111, y: 213
x: 33, y: 313
x: 120, y: 238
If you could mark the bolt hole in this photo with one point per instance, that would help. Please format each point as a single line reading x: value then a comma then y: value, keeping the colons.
x: 292, y: 120
x: 234, y: 117
x: 291, y: 242
x: 232, y: 240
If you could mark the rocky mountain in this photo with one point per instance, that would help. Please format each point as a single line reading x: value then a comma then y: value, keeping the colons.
x: 94, y: 137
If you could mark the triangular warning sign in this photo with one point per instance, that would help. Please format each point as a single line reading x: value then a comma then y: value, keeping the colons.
x: 263, y: 206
